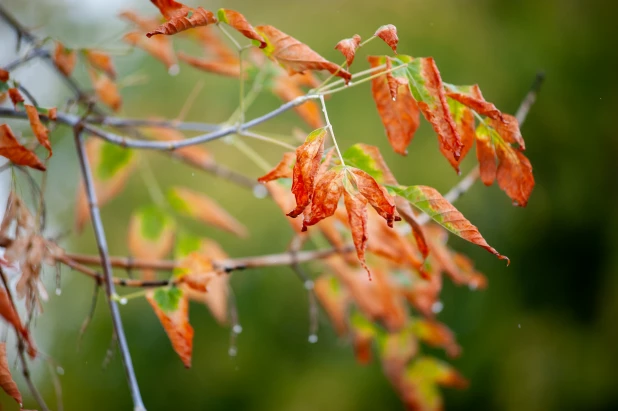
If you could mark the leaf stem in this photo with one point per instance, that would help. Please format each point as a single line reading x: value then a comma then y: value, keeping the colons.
x: 261, y: 137
x: 330, y: 127
x: 366, y: 79
x: 253, y: 155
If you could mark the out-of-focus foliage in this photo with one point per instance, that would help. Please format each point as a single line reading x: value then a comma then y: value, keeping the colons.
x: 541, y: 337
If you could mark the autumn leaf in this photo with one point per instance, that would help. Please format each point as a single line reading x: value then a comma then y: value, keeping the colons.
x: 15, y: 152
x: 201, y: 207
x: 240, y: 23
x: 508, y: 128
x: 333, y: 297
x: 464, y: 120
x: 106, y: 90
x: 4, y: 86
x: 151, y: 235
x: 40, y: 131
x: 431, y: 202
x: 211, y: 66
x: 486, y: 155
x: 144, y: 23
x: 396, y: 351
x: 471, y: 96
x: 281, y: 170
x: 287, y: 89
x: 111, y: 167
x: 159, y: 47
x: 16, y: 98
x: 65, y: 59
x: 101, y: 61
x: 308, y: 157
x: 400, y: 115
x: 295, y: 56
x: 514, y: 174
x: 388, y: 33
x: 328, y: 191
x: 10, y: 315
x: 172, y: 308
x: 180, y: 17
x: 348, y: 48
x: 428, y: 91
x: 213, y: 45
x: 375, y: 194
x: 4, y: 77
x: 363, y: 334
x: 437, y: 335
x: 6, y: 379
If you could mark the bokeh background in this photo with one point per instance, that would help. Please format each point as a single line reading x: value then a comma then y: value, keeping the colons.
x: 543, y: 336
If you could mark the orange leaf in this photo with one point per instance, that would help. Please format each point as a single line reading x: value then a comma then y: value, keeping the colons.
x: 14, y: 151
x: 196, y: 271
x: 106, y: 90
x: 7, y: 311
x: 285, y: 201
x: 180, y: 17
x: 101, y: 61
x: 348, y: 48
x: 40, y: 131
x: 295, y: 56
x: 486, y: 155
x: 464, y: 119
x: 211, y: 66
x: 159, y: 47
x: 16, y: 97
x: 475, y: 100
x: 281, y: 170
x: 240, y: 23
x: 176, y: 325
x: 213, y: 45
x: 388, y: 33
x: 144, y: 23
x: 437, y: 335
x: 151, y: 236
x: 334, y: 298
x: 4, y: 76
x: 308, y: 157
x: 356, y: 206
x: 514, y: 174
x: 376, y: 195
x: 65, y: 59
x: 287, y: 89
x: 399, y: 116
x: 6, y: 380
x: 205, y: 209
x: 508, y: 128
x: 326, y: 197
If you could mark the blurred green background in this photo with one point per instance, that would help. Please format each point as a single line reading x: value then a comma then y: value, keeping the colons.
x: 543, y: 336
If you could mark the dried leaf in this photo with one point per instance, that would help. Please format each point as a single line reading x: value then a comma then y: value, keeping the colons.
x: 196, y: 272
x: 144, y: 23
x: 16, y: 98
x: 8, y: 312
x: 348, y: 48
x: 40, y: 131
x: 399, y: 116
x: 486, y: 155
x: 205, y: 209
x: 151, y: 235
x: 15, y: 152
x: 159, y: 47
x: 508, y: 128
x: 101, y: 61
x: 111, y: 166
x: 212, y: 66
x: 180, y: 17
x: 472, y: 97
x: 6, y: 379
x: 172, y: 308
x: 65, y: 59
x: 356, y: 206
x: 437, y: 335
x: 514, y: 174
x: 281, y: 170
x: 388, y: 33
x: 106, y: 90
x: 375, y: 194
x: 295, y: 56
x: 326, y: 196
x: 240, y: 23
x: 464, y: 119
x: 4, y: 76
x: 285, y: 201
x: 308, y: 157
x: 431, y: 202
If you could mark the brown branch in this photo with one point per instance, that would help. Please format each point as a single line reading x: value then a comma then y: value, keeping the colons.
x: 107, y: 269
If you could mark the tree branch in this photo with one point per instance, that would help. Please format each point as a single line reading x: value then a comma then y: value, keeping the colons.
x: 107, y: 269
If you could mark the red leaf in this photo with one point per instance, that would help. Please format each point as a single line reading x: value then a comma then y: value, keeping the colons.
x: 106, y: 90
x: 180, y: 17
x: 211, y: 66
x: 474, y: 99
x: 159, y: 47
x: 6, y: 379
x: 514, y: 174
x: 16, y: 97
x: 486, y: 155
x: 508, y: 128
x: 348, y: 48
x: 356, y: 206
x: 14, y: 151
x: 399, y: 116
x: 388, y: 33
x: 4, y: 76
x: 308, y: 157
x: 40, y: 131
x: 295, y: 56
x: 65, y: 59
x: 326, y: 197
x: 240, y: 23
x: 101, y: 61
x: 281, y: 170
x: 376, y: 195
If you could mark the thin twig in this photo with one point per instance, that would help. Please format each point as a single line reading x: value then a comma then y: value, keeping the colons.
x: 107, y: 270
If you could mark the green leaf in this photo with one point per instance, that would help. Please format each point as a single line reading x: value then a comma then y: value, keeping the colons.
x: 153, y: 221
x: 168, y: 298
x: 178, y: 203
x: 112, y: 159
x: 222, y: 16
x: 315, y: 134
x: 356, y: 157
x: 186, y: 244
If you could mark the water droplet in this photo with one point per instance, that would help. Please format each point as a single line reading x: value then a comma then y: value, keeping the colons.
x: 58, y: 291
x: 518, y: 325
x: 309, y: 285
x: 232, y: 352
x: 437, y: 307
x: 123, y: 301
x: 473, y: 286
x: 237, y: 329
x: 192, y: 174
x: 394, y: 99
x: 174, y: 70
x: 313, y: 339
x: 259, y: 191
x: 59, y: 370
